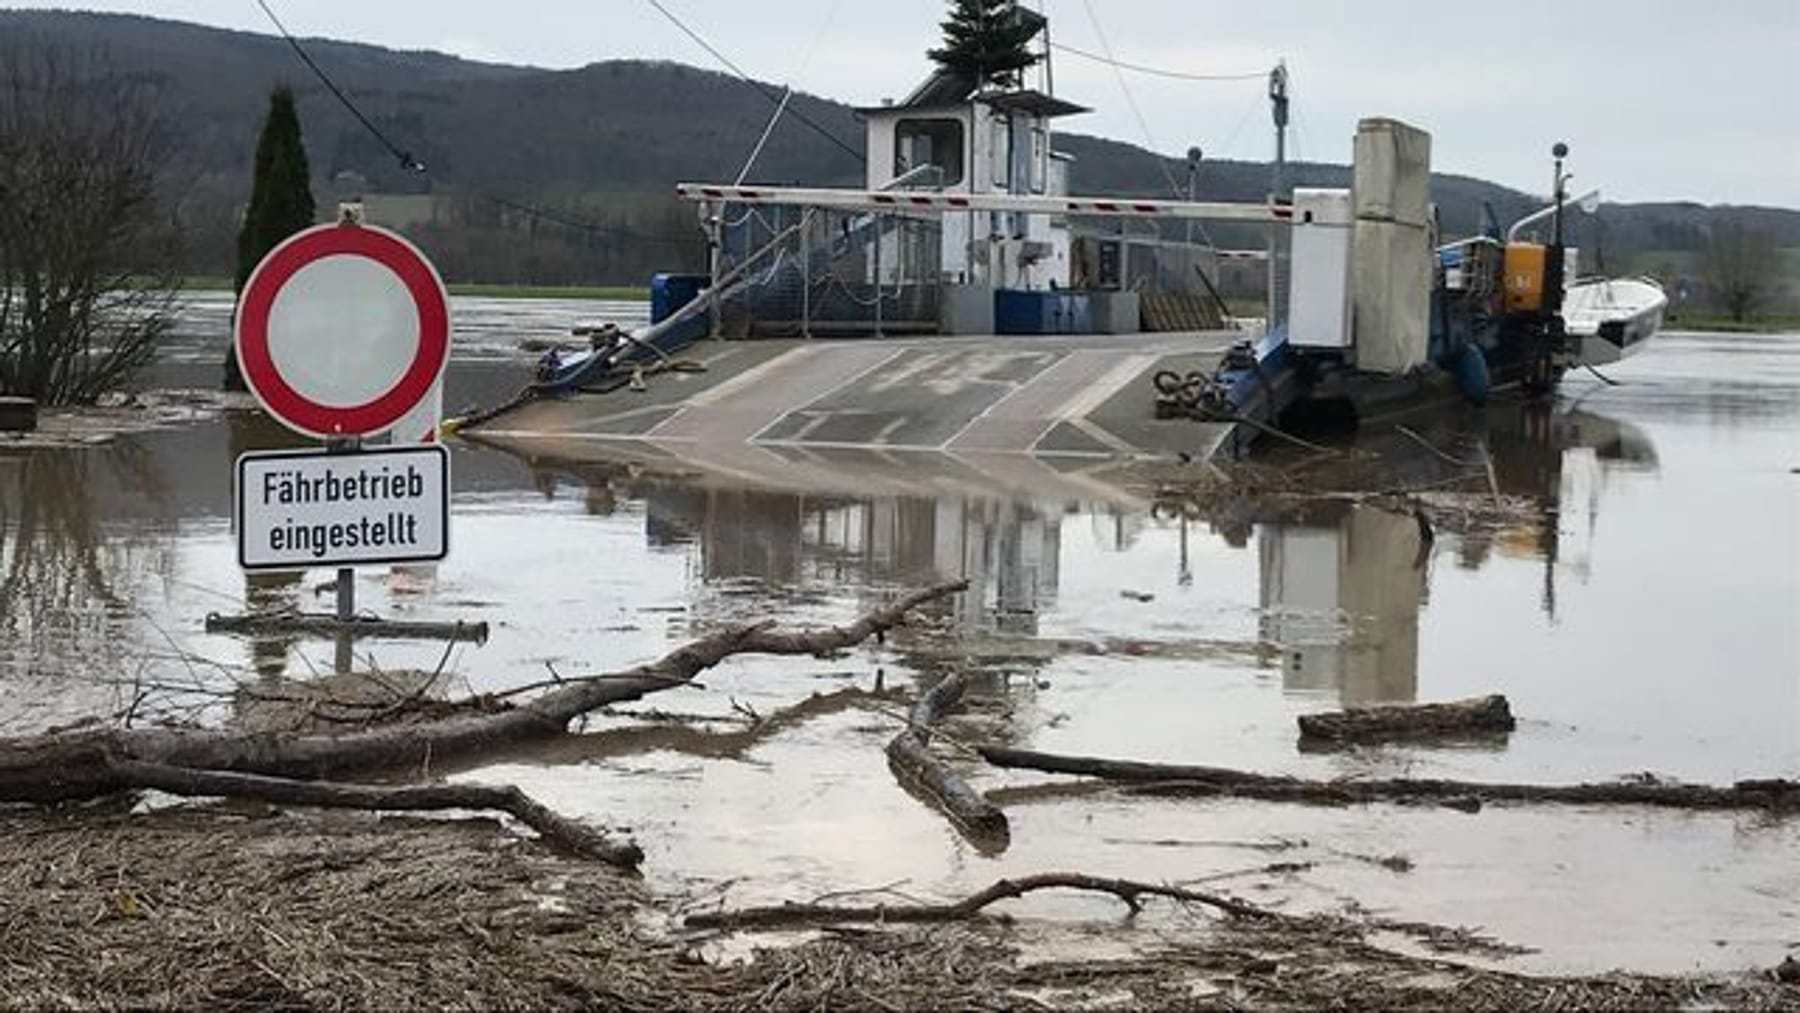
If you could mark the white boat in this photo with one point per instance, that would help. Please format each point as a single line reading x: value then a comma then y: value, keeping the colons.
x: 1611, y: 318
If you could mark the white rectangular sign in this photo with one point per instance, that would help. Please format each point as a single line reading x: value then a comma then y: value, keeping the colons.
x: 313, y: 508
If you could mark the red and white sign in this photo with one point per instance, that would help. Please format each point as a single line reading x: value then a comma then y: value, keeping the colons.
x: 342, y: 330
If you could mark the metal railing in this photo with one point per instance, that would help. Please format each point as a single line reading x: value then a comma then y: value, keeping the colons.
x: 824, y: 271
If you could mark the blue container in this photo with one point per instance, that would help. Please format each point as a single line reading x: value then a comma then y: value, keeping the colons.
x: 1017, y: 312
x: 1021, y: 312
x: 670, y: 292
x: 1471, y: 372
x: 1078, y: 313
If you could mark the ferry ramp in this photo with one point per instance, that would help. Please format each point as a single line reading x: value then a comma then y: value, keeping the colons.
x: 985, y: 397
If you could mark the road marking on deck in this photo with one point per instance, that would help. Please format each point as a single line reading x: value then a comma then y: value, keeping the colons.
x: 799, y: 406
x: 762, y: 396
x: 598, y: 424
x: 1098, y: 393
x: 1110, y: 383
x: 748, y: 378
x: 881, y: 437
x: 998, y: 415
x: 1093, y: 430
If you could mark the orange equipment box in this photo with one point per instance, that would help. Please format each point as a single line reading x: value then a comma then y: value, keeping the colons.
x: 1524, y: 270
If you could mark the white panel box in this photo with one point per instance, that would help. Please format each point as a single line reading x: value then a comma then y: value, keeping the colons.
x: 1390, y: 270
x: 1319, y: 285
x: 1391, y: 172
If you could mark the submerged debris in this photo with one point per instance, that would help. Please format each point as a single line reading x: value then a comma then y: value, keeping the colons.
x: 920, y: 771
x: 216, y: 908
x: 1483, y: 715
x: 1774, y: 795
x: 122, y: 414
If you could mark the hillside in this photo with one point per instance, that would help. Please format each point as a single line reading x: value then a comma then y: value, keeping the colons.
x: 586, y: 146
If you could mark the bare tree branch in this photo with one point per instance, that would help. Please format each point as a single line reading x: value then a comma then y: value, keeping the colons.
x: 561, y: 831
x: 86, y: 255
x: 1129, y: 891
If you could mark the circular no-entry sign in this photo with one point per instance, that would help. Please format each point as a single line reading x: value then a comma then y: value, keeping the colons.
x: 342, y: 329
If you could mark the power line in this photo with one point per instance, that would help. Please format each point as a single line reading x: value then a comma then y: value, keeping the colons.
x: 787, y: 93
x: 1157, y: 71
x: 1227, y: 148
x: 582, y: 224
x: 766, y: 91
x: 1143, y: 124
x: 411, y: 164
x: 405, y: 158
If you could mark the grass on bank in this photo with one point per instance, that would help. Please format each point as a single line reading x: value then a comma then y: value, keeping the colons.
x: 637, y: 293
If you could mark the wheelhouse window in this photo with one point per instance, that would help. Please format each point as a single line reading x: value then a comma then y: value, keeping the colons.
x: 935, y: 142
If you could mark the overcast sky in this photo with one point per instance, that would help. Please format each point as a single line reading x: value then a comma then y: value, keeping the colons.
x: 1658, y: 99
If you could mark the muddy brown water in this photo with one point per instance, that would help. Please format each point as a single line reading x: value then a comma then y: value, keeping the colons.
x: 1645, y: 621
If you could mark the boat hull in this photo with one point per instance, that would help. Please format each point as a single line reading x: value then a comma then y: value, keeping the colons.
x: 1608, y: 319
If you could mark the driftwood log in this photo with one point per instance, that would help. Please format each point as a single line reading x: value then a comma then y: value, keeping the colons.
x: 282, y: 767
x: 323, y: 625
x: 1126, y: 890
x: 1482, y: 715
x: 1772, y: 794
x: 910, y: 756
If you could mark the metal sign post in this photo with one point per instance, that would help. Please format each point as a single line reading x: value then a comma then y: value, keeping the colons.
x: 344, y: 654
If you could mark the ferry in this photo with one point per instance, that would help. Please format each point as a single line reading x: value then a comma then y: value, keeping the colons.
x: 964, y: 301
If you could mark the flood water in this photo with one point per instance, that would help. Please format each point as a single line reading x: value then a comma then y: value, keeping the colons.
x: 1646, y: 620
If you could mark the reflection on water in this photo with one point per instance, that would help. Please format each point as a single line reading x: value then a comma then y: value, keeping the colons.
x: 1341, y: 593
x: 1335, y: 590
x: 264, y: 591
x: 69, y: 571
x: 1340, y: 583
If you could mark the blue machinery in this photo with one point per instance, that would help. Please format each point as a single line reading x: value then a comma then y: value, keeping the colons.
x: 1494, y: 317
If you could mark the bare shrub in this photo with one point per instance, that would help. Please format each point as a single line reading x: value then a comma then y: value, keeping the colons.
x: 86, y: 253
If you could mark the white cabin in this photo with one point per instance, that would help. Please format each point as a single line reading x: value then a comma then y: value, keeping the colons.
x: 953, y: 137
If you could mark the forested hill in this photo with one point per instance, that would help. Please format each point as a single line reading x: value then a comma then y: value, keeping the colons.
x: 601, y: 145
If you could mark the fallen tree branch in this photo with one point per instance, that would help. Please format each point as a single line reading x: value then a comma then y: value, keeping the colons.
x: 1281, y: 434
x: 562, y: 832
x: 1774, y: 794
x: 969, y: 907
x: 909, y: 755
x: 1482, y: 715
x: 657, y: 734
x: 55, y: 767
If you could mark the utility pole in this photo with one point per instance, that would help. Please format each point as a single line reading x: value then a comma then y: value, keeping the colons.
x: 1278, y: 103
x: 1194, y: 155
x: 1554, y: 260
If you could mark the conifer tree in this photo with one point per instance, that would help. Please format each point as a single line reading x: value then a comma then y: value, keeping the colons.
x: 988, y: 40
x: 281, y: 201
